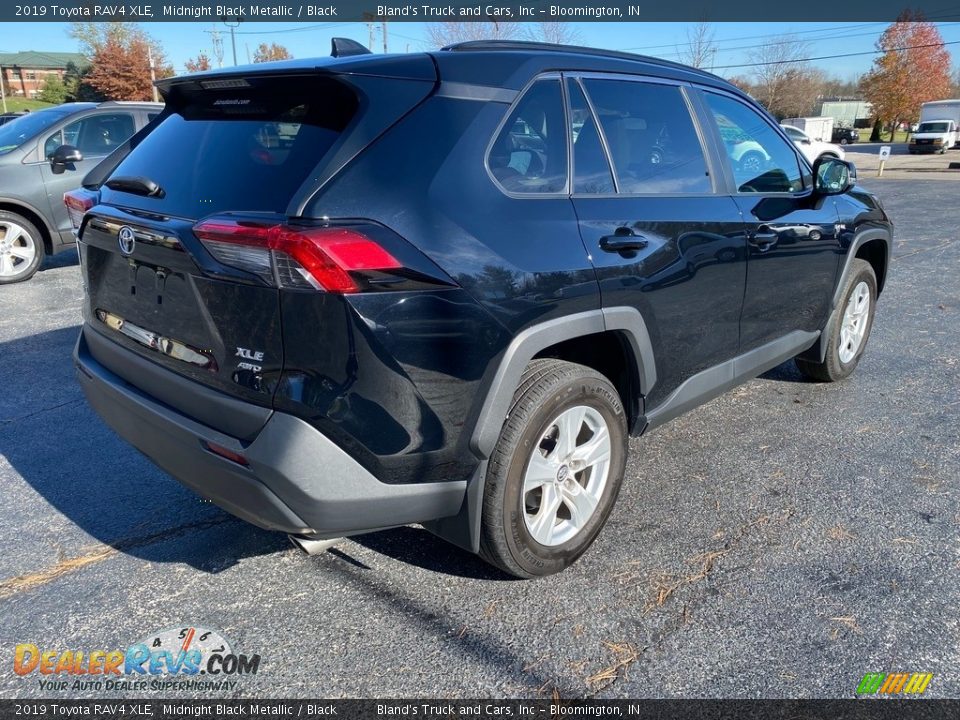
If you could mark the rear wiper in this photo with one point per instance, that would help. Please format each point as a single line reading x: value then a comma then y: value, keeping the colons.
x: 137, y: 185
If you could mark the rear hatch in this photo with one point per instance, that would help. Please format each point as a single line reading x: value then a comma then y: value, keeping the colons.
x: 241, y: 148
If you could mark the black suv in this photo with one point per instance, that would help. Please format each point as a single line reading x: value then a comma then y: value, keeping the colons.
x: 349, y: 294
x: 845, y: 135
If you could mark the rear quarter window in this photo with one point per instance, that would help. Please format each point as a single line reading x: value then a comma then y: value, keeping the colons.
x: 241, y: 149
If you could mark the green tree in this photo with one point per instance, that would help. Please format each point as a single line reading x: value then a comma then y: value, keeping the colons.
x: 53, y: 91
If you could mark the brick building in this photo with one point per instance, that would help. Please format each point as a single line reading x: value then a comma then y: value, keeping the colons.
x: 24, y: 72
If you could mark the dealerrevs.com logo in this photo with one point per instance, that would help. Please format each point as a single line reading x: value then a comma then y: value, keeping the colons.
x: 184, y: 658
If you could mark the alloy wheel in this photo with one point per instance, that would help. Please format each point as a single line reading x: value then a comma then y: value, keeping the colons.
x: 17, y: 249
x: 566, y: 475
x: 853, y: 326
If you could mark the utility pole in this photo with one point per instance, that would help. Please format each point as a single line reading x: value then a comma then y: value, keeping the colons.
x: 232, y: 24
x: 371, y: 31
x: 3, y: 94
x: 153, y: 74
x: 383, y: 27
x: 217, y: 45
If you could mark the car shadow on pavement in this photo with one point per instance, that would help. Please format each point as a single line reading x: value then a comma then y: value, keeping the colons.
x: 61, y: 260
x: 99, y: 484
x: 786, y: 372
x: 419, y: 547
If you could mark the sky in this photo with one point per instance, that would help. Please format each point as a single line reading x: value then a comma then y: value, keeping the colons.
x: 734, y: 41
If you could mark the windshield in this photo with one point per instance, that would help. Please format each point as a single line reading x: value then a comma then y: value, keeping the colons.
x: 934, y: 127
x: 13, y: 134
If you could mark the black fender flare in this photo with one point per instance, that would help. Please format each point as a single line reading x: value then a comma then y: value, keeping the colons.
x: 819, y: 349
x: 463, y: 529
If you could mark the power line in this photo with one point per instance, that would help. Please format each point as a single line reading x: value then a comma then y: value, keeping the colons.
x: 756, y: 37
x: 834, y: 57
x: 301, y: 28
x: 932, y: 18
x: 789, y: 40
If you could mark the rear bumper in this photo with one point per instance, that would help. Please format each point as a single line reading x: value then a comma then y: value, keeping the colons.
x: 297, y: 481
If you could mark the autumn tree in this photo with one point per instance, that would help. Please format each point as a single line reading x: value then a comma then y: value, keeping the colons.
x: 120, y: 56
x: 442, y: 34
x: 198, y: 64
x: 913, y: 69
x: 268, y: 53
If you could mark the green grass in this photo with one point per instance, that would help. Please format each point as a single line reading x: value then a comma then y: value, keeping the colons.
x: 21, y: 104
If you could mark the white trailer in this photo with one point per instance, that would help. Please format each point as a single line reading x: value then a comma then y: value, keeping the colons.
x: 818, y: 128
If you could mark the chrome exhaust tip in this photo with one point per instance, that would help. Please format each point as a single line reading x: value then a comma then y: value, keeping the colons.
x: 312, y: 547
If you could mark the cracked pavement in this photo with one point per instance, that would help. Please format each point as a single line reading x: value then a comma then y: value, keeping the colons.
x: 780, y: 541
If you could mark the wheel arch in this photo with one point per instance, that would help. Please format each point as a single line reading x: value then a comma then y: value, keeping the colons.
x: 564, y: 338
x: 874, y: 246
x: 31, y: 214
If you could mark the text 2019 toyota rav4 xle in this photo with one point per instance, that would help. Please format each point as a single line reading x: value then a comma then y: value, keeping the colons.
x: 347, y: 294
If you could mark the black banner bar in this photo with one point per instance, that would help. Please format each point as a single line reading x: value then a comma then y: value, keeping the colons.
x: 419, y: 709
x: 460, y: 11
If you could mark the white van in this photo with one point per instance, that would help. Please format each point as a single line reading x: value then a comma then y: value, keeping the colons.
x: 939, y: 128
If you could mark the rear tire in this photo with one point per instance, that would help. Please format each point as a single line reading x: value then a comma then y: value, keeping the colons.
x: 21, y: 248
x: 556, y: 470
x: 849, y: 327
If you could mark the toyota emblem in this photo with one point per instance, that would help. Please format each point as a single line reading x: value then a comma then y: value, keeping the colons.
x: 127, y: 239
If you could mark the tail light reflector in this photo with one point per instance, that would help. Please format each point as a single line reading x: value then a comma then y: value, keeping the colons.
x: 226, y: 453
x: 320, y: 257
x: 78, y: 202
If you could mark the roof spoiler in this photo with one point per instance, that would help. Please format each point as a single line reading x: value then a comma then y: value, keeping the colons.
x: 344, y: 47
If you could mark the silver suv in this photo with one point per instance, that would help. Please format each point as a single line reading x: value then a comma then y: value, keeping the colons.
x: 44, y: 154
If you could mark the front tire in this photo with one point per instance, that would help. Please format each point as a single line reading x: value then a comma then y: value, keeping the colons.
x: 556, y: 471
x: 849, y: 327
x: 21, y: 248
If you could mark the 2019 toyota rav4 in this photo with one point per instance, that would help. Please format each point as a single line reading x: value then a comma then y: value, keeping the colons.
x: 444, y: 288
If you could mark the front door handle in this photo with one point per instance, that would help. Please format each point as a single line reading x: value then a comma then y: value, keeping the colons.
x: 763, y: 238
x: 623, y: 240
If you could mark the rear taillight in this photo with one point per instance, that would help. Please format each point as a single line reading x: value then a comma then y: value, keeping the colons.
x: 78, y: 202
x: 330, y: 258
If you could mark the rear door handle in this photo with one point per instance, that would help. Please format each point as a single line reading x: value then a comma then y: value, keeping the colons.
x: 624, y: 240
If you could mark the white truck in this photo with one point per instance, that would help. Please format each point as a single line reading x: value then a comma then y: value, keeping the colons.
x: 939, y: 128
x: 816, y: 128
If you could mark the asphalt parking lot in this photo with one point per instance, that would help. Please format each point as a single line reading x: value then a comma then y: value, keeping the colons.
x: 780, y: 541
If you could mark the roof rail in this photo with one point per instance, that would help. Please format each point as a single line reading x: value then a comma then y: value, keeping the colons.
x: 130, y: 102
x: 553, y: 47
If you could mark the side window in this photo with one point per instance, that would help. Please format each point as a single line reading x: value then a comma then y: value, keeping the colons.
x: 530, y: 153
x: 591, y: 171
x: 94, y: 135
x: 653, y: 143
x: 793, y: 133
x: 761, y: 160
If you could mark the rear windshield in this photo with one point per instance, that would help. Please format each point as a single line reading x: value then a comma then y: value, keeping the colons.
x: 14, y: 133
x: 237, y: 148
x: 934, y: 127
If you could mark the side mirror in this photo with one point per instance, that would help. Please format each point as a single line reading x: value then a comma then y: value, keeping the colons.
x: 833, y: 176
x: 805, y: 141
x: 65, y: 155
